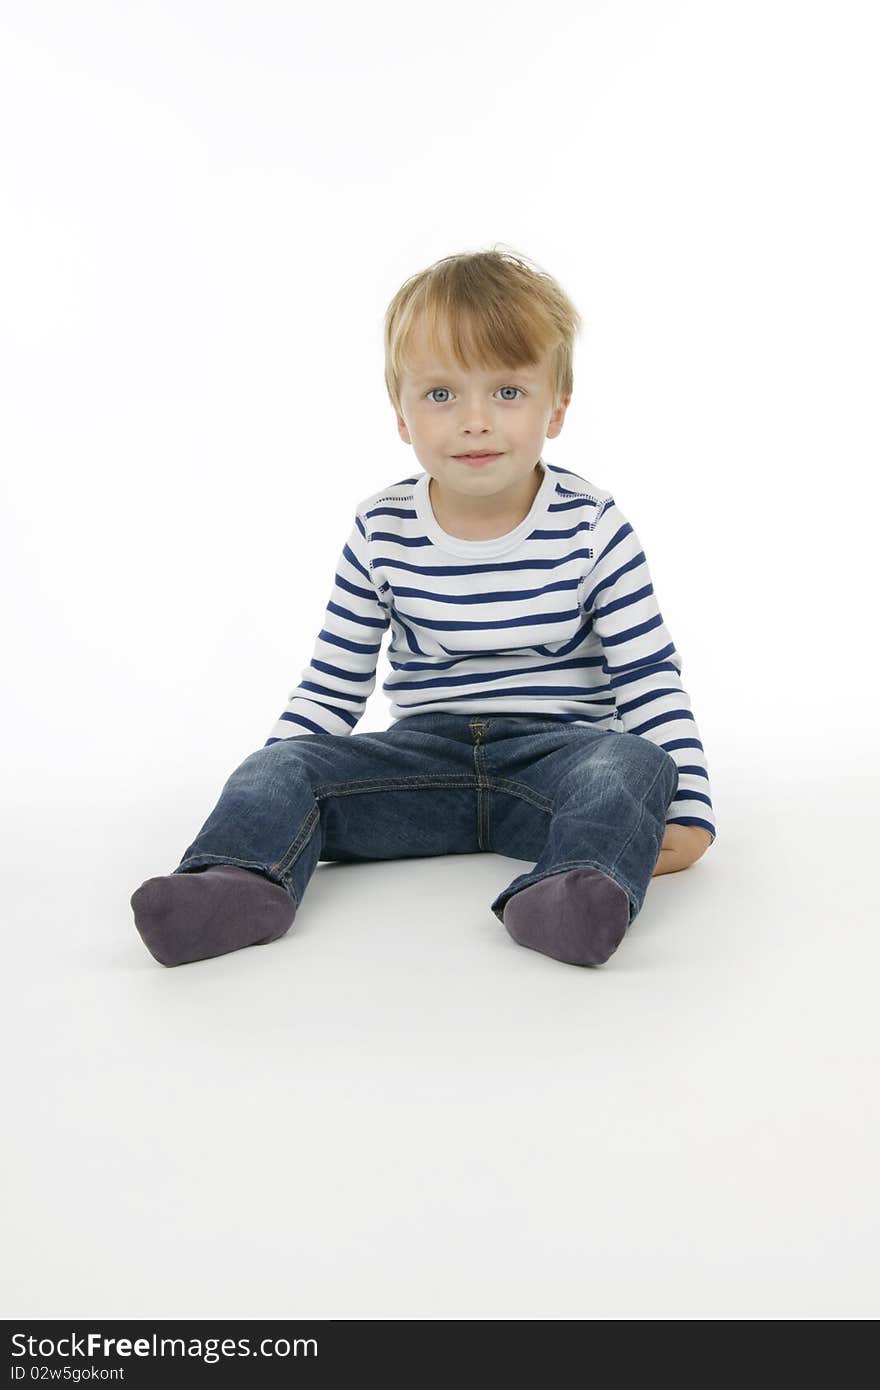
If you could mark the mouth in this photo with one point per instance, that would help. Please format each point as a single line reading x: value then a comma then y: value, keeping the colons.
x: 475, y: 458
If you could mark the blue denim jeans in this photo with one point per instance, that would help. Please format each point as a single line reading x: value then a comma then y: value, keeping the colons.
x: 560, y: 795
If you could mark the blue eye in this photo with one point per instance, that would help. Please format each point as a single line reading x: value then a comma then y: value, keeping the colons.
x: 500, y: 388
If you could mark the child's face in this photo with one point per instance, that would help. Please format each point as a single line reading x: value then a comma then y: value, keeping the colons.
x: 448, y: 412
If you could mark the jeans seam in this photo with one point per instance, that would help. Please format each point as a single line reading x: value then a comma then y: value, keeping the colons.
x: 488, y: 810
x: 428, y: 780
x: 629, y: 839
x: 478, y: 728
x: 524, y: 793
x: 366, y: 784
x: 295, y: 849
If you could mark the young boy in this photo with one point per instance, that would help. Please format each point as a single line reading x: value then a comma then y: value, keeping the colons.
x: 537, y: 705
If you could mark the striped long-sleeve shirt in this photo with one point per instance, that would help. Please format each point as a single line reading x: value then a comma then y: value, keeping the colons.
x: 557, y: 618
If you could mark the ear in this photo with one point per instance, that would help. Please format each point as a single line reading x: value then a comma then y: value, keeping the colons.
x: 554, y: 424
x: 402, y: 430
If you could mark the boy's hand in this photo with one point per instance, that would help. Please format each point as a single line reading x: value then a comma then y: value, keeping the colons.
x: 682, y: 846
x: 688, y: 841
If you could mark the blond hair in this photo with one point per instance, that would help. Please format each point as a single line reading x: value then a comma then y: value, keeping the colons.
x: 498, y: 309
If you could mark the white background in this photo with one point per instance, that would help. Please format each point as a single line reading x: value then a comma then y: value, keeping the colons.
x: 395, y: 1111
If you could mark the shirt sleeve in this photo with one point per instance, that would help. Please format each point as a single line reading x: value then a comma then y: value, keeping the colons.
x: 334, y: 689
x: 642, y: 664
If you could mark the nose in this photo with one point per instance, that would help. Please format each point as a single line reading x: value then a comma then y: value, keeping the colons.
x: 474, y: 431
x: 473, y: 417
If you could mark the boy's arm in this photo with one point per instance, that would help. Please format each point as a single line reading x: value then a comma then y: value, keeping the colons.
x: 643, y: 669
x: 334, y: 689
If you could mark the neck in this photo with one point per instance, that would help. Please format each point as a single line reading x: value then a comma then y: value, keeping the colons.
x: 484, y: 518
